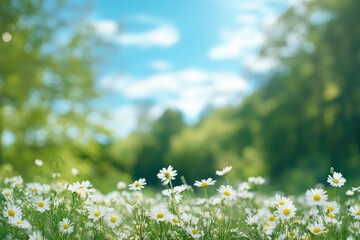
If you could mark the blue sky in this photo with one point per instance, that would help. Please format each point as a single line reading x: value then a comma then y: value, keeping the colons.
x: 186, y: 55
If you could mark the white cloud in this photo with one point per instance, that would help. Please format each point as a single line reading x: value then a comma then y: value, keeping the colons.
x: 189, y: 90
x: 243, y: 40
x: 160, y: 65
x: 236, y: 43
x: 161, y: 34
x: 260, y: 64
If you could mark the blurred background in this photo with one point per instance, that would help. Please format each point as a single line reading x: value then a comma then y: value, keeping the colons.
x: 119, y: 89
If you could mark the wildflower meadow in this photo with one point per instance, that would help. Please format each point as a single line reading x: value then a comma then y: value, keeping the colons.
x: 211, y: 208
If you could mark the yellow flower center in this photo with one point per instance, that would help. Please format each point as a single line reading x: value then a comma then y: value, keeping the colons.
x: 167, y: 175
x: 160, y: 215
x: 113, y: 219
x: 336, y: 181
x: 81, y: 186
x: 267, y: 224
x: 286, y: 211
x: 175, y: 220
x: 226, y: 193
x: 35, y: 190
x: 330, y: 208
x: 19, y: 222
x: 11, y: 213
x: 331, y: 215
x: 41, y: 204
x: 281, y: 203
x: 194, y: 231
x: 292, y: 234
x: 316, y: 230
x: 204, y: 184
x: 317, y: 197
x: 358, y: 213
x: 271, y: 218
x: 97, y: 213
x: 137, y: 184
x: 66, y: 226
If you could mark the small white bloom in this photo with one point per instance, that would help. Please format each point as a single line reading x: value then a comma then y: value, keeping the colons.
x: 38, y: 162
x: 195, y: 232
x: 112, y: 220
x: 355, y: 212
x: 138, y: 185
x: 256, y: 180
x: 316, y: 196
x: 227, y: 192
x: 166, y: 175
x: 75, y: 171
x: 317, y: 228
x: 205, y: 182
x: 97, y: 212
x: 41, y: 205
x: 287, y: 211
x: 36, y: 235
x: 336, y: 180
x: 159, y: 213
x: 121, y: 185
x: 11, y: 211
x: 224, y: 171
x: 20, y: 223
x: 65, y: 226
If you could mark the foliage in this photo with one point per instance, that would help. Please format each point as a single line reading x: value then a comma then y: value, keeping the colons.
x: 55, y: 209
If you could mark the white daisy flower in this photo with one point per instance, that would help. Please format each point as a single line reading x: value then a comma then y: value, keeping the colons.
x: 281, y: 200
x: 12, y: 211
x: 316, y: 196
x: 112, y: 220
x: 224, y: 171
x: 195, y: 232
x: 15, y: 181
x: 97, y: 212
x: 204, y: 183
x: 227, y: 192
x: 36, y: 235
x: 65, y: 226
x: 20, y: 223
x: 287, y: 211
x: 166, y: 175
x: 332, y: 207
x: 137, y: 185
x: 336, y: 180
x: 181, y: 188
x: 121, y: 185
x: 75, y: 171
x: 159, y: 213
x: 317, y: 228
x: 41, y: 204
x: 355, y: 212
x: 355, y: 228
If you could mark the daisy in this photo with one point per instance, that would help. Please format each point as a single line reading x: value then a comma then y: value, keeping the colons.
x: 224, y: 171
x: 41, y: 204
x: 287, y: 211
x: 204, y: 183
x: 112, y: 220
x: 159, y: 213
x: 355, y: 228
x: 336, y: 180
x: 195, y: 232
x: 138, y: 185
x: 355, y: 212
x: 11, y: 211
x: 20, y: 223
x: 317, y: 228
x: 227, y: 192
x: 97, y: 212
x: 36, y: 236
x: 316, y: 196
x: 332, y: 207
x: 281, y: 200
x: 166, y: 175
x: 65, y: 226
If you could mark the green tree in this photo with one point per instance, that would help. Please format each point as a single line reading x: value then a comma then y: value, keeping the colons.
x: 46, y: 78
